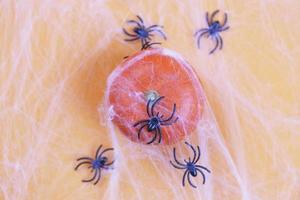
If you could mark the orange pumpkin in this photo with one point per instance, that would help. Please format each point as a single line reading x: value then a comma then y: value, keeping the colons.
x: 149, y: 73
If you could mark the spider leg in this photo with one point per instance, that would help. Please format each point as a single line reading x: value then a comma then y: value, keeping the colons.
x: 216, y: 46
x: 225, y: 29
x: 203, y: 176
x: 199, y: 154
x: 154, y: 138
x: 82, y: 163
x: 169, y: 123
x: 193, y: 149
x: 213, y: 15
x: 145, y: 46
x: 225, y: 19
x: 108, y: 149
x: 203, y: 168
x: 199, y: 37
x: 139, y: 132
x: 108, y: 164
x: 159, y: 134
x: 221, y: 42
x: 129, y: 34
x: 189, y: 179
x: 186, y: 160
x: 158, y: 31
x: 177, y: 167
x: 162, y: 34
x: 148, y: 107
x: 89, y: 180
x: 140, y: 122
x: 99, y: 176
x: 179, y: 163
x: 134, y: 22
x: 153, y: 26
x: 147, y: 40
x: 85, y: 158
x: 144, y: 41
x: 154, y: 103
x: 184, y: 176
x: 97, y: 152
x: 107, y: 168
x: 141, y: 20
x: 200, y: 30
x: 157, y: 114
x: 148, y: 44
x: 172, y: 115
x: 207, y: 19
x: 133, y: 39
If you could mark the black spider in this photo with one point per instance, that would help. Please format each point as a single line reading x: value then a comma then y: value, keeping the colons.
x: 190, y: 166
x: 143, y: 33
x: 97, y: 164
x: 155, y: 121
x: 213, y: 30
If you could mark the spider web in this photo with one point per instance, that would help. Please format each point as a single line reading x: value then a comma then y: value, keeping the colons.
x: 56, y: 57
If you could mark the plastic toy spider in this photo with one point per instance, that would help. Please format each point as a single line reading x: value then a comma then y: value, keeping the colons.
x: 213, y: 30
x: 155, y: 121
x: 190, y: 166
x: 97, y: 164
x: 143, y: 33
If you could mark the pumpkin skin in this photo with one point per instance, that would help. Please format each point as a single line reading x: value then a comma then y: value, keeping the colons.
x: 166, y: 73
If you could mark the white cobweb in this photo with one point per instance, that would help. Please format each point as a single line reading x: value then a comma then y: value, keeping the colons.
x: 56, y: 56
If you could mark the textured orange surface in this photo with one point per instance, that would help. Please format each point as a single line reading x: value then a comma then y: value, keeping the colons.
x: 169, y: 76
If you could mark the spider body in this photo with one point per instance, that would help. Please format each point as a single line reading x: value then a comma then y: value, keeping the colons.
x: 143, y: 33
x: 190, y: 166
x: 97, y: 164
x: 213, y: 30
x: 192, y: 169
x: 155, y: 121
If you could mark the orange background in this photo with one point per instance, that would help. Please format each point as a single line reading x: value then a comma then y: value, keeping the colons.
x: 56, y: 56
